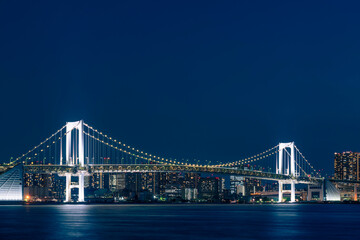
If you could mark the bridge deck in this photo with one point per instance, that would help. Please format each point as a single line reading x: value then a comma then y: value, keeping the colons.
x: 119, y: 168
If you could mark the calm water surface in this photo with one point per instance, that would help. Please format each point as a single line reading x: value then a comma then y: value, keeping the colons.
x: 180, y: 222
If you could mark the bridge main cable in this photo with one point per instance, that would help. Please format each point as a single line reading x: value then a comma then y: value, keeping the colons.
x: 150, y: 157
x: 312, y: 168
x: 253, y: 158
x: 37, y: 146
x: 138, y: 154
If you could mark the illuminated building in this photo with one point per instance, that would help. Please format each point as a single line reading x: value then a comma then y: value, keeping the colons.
x: 237, y: 185
x: 190, y: 180
x: 190, y: 194
x: 252, y: 185
x: 117, y: 182
x: 151, y: 182
x: 11, y: 185
x: 346, y: 166
x: 133, y: 183
x: 97, y: 180
x: 43, y: 186
x: 210, y: 188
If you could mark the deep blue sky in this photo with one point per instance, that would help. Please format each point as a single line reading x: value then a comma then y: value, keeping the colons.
x: 184, y: 79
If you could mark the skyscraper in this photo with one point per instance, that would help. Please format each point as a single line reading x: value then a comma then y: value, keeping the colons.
x: 210, y: 188
x: 237, y: 185
x: 346, y: 166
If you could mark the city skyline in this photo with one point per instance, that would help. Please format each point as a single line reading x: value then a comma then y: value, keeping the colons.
x: 88, y: 160
x: 192, y: 161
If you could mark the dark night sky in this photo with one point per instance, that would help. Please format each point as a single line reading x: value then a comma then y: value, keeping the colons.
x: 205, y: 80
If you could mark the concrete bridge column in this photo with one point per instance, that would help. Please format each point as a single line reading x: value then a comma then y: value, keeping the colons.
x: 280, y: 192
x: 81, y: 187
x: 308, y: 197
x: 68, y: 187
x: 292, y: 198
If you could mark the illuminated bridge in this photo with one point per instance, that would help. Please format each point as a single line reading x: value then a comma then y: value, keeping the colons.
x: 77, y: 149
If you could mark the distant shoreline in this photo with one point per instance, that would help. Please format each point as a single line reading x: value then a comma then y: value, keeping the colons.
x: 4, y: 203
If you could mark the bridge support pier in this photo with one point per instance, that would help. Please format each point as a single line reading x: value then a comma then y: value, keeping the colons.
x: 80, y: 186
x: 68, y: 187
x: 292, y: 197
x: 280, y: 192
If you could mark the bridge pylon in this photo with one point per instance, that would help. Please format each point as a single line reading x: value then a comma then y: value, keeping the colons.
x: 287, y: 168
x: 78, y: 153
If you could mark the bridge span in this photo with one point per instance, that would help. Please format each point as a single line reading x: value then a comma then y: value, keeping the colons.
x: 143, y: 168
x: 77, y: 149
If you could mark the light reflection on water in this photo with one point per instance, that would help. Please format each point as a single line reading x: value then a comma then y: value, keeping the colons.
x: 180, y: 222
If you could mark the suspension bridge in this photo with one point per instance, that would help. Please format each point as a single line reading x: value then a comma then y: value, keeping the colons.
x: 78, y: 149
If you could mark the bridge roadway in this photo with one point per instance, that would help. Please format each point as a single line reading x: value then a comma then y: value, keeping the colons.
x: 123, y: 168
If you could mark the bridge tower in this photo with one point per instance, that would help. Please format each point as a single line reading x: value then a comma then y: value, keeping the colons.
x: 78, y: 159
x: 70, y: 126
x: 287, y: 168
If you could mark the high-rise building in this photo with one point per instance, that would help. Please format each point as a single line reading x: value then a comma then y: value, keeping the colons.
x: 190, y: 194
x: 133, y: 182
x: 190, y: 180
x: 117, y: 182
x: 210, y: 188
x: 170, y: 185
x: 151, y: 182
x: 252, y: 185
x: 43, y: 186
x: 237, y: 185
x: 346, y: 166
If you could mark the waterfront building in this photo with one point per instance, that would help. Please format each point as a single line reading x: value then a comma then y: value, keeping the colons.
x: 252, y: 185
x: 172, y: 192
x: 87, y: 181
x: 190, y: 180
x: 133, y: 183
x: 151, y: 182
x: 11, y: 185
x: 117, y: 182
x: 145, y: 196
x: 237, y: 185
x: 38, y: 186
x: 43, y: 186
x: 242, y: 186
x: 315, y: 192
x: 190, y: 194
x: 346, y: 166
x: 97, y: 180
x: 210, y: 189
